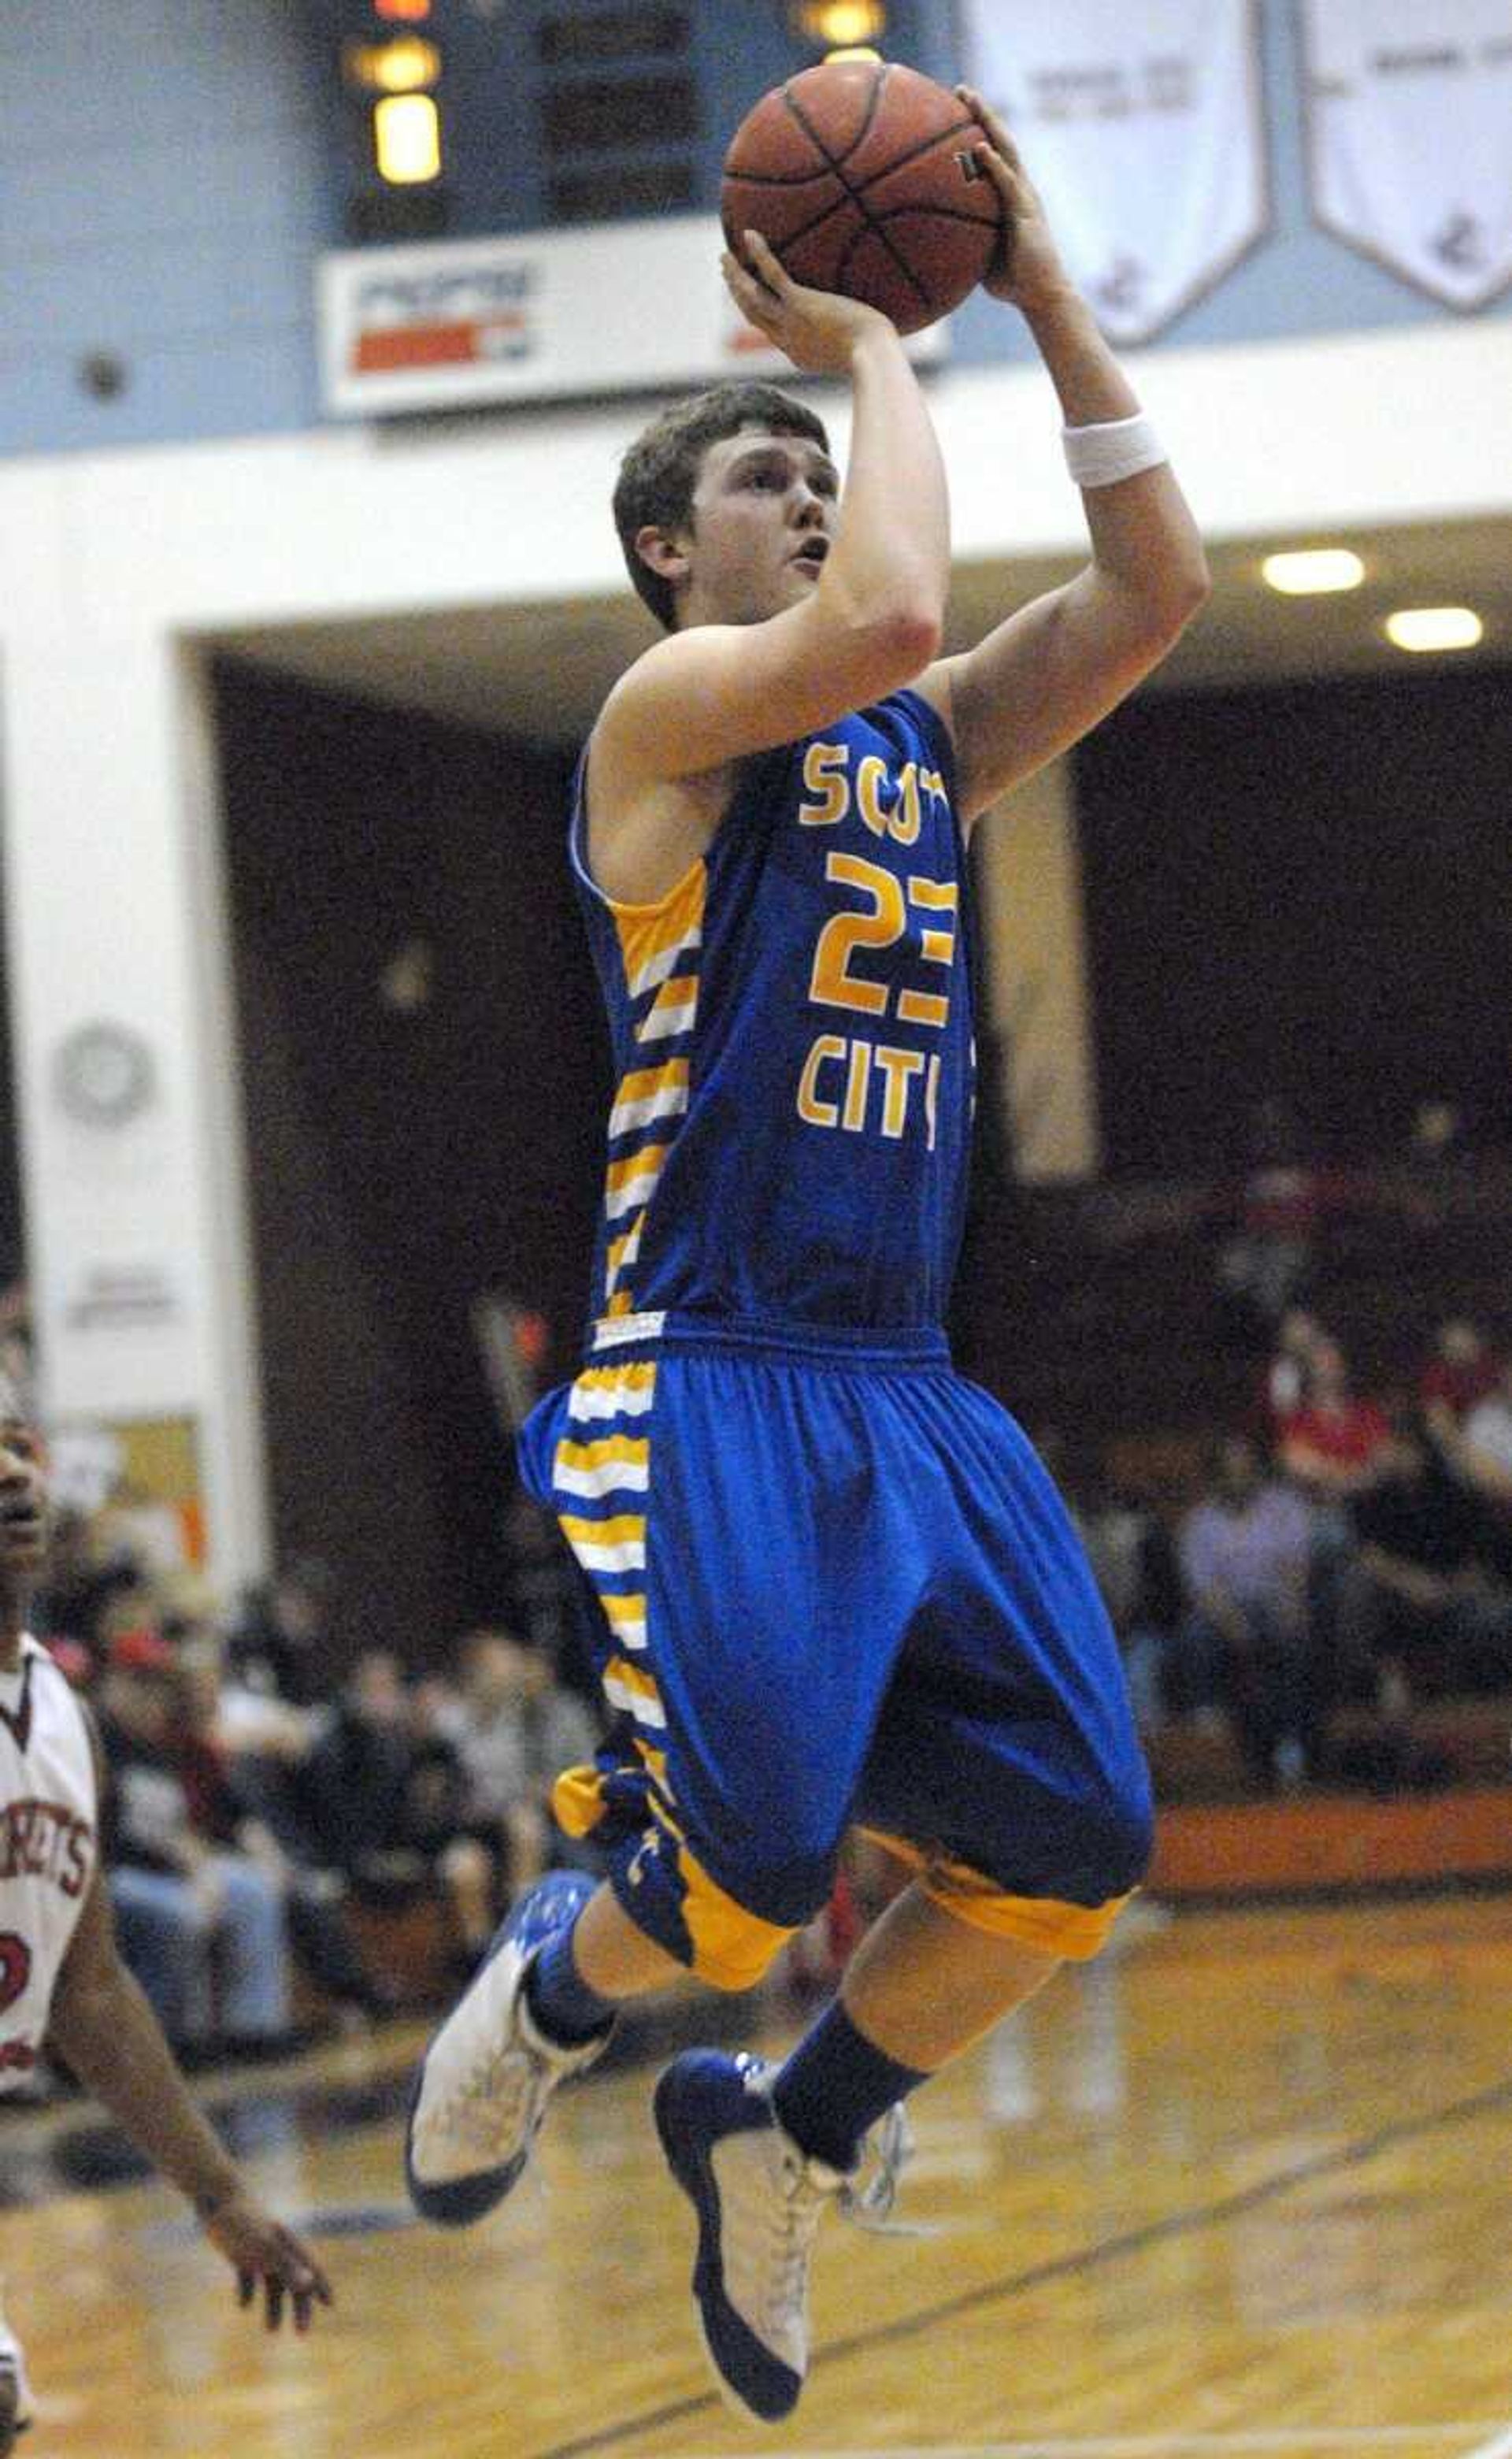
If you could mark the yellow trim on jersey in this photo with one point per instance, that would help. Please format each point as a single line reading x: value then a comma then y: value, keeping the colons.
x: 633, y: 1450
x: 638, y: 1377
x: 576, y: 1800
x: 1075, y: 1931
x: 645, y: 1163
x: 627, y: 1245
x: 621, y: 1610
x: 655, y: 1763
x: 620, y: 1677
x: 644, y: 1083
x: 627, y: 1528
x: 646, y: 932
x: 678, y: 995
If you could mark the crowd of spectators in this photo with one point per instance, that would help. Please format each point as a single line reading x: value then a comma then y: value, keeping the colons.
x: 259, y: 1791
x: 1346, y: 1549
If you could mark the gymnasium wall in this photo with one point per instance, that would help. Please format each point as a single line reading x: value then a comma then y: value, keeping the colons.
x: 1304, y: 892
x: 425, y: 1078
x: 170, y: 169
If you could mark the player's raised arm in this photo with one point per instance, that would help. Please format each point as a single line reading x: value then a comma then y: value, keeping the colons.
x: 1051, y: 670
x: 114, y: 2044
x: 774, y: 632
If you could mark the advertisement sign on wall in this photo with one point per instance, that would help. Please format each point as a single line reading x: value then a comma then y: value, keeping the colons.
x: 617, y: 307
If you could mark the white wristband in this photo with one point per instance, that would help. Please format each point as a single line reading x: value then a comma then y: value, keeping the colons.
x: 1099, y: 457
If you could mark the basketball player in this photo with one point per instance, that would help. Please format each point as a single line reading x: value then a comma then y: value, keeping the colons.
x: 60, y: 1976
x: 833, y: 1583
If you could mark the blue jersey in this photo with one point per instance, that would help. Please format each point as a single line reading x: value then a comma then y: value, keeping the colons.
x: 792, y: 1047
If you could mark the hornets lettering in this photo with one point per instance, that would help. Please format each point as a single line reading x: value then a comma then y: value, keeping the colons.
x: 887, y: 927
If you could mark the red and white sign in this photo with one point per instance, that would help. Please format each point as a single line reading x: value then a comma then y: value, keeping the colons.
x: 1409, y: 119
x: 606, y: 308
x: 1142, y: 129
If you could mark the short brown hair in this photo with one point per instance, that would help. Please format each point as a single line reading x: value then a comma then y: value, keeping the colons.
x: 660, y: 470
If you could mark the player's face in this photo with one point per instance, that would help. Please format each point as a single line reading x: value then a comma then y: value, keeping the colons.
x: 764, y: 516
x: 23, y: 1503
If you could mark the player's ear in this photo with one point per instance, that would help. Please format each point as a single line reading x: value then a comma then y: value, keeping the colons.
x: 664, y: 552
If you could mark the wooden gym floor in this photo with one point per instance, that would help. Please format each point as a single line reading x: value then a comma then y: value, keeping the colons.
x: 1242, y: 2187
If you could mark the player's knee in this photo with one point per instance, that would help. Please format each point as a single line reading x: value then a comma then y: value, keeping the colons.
x: 742, y: 1957
x: 1122, y: 1842
x: 734, y: 1942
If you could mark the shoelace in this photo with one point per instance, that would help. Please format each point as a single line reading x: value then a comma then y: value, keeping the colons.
x: 867, y: 2207
x: 795, y: 2219
x: 870, y: 2207
x: 486, y: 2105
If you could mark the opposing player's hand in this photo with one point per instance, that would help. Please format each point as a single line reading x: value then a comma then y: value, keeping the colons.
x: 1028, y: 272
x: 265, y: 2254
x: 818, y: 329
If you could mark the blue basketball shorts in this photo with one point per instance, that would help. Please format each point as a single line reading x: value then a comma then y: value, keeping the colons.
x: 833, y: 1587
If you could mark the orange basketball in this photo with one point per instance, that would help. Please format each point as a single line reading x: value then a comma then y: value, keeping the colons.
x: 860, y: 176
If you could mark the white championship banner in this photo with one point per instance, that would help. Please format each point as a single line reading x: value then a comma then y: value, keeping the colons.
x: 1409, y: 118
x: 537, y: 315
x: 1144, y: 130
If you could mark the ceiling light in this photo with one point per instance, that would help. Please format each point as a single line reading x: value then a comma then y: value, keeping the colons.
x: 1312, y: 572
x: 839, y: 24
x: 1421, y: 628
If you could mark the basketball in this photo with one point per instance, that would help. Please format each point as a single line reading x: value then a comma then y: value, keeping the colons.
x: 860, y: 176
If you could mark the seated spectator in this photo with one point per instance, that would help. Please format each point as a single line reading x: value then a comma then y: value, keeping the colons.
x: 1485, y: 1445
x: 543, y: 1594
x: 360, y: 1781
x: 85, y: 1580
x: 1134, y: 1563
x: 202, y: 1928
x: 1464, y: 1371
x: 514, y: 1728
x: 1246, y: 1644
x: 261, y: 1805
x: 1282, y: 1209
x: 280, y: 1644
x: 1337, y: 1444
x: 1284, y: 1385
x: 1417, y: 1600
x: 1482, y: 1458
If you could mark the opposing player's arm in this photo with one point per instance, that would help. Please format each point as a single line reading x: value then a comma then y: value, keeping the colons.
x: 714, y: 692
x: 1053, y: 669
x: 108, y: 2032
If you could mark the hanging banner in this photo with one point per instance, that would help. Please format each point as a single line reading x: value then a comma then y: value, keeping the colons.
x: 1409, y: 118
x: 1143, y: 129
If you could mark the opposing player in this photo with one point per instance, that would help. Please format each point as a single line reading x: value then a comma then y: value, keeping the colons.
x: 835, y: 1584
x: 60, y: 1976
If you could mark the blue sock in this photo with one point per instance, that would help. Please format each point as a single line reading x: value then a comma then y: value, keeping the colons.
x: 558, y: 1997
x: 834, y: 2086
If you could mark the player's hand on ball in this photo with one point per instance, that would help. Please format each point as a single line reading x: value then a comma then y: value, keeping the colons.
x: 262, y: 2252
x: 1028, y: 271
x: 818, y: 329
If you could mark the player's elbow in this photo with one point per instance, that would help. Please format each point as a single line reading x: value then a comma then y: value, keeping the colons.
x: 917, y: 633
x: 1184, y: 590
x: 895, y: 642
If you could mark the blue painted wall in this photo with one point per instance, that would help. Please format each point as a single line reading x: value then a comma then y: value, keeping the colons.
x: 170, y: 169
x: 164, y: 182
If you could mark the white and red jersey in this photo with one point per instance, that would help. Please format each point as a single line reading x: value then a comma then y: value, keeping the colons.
x: 48, y: 1843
